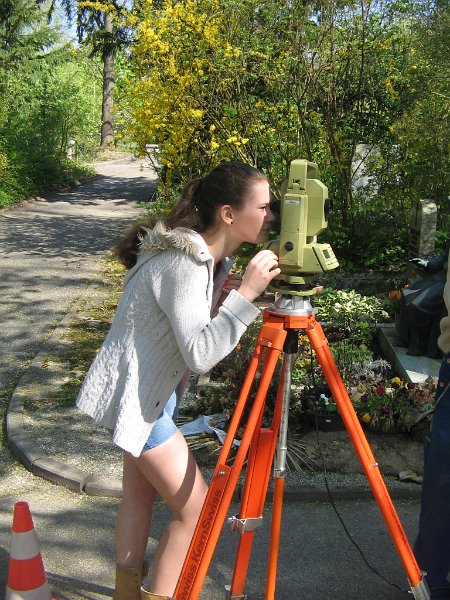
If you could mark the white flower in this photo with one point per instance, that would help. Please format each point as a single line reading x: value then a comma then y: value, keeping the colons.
x: 324, y: 399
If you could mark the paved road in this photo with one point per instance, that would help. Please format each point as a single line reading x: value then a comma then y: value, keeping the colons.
x: 317, y: 559
x: 49, y: 253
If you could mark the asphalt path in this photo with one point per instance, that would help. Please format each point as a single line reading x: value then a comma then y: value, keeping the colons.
x: 318, y: 560
x: 50, y: 252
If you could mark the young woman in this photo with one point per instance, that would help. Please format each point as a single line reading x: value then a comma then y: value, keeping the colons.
x: 180, y: 312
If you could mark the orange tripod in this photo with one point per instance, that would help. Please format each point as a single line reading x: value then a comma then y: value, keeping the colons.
x: 265, y: 446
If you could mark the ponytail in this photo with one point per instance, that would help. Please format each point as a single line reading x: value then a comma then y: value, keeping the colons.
x: 228, y: 183
x: 186, y: 213
x: 127, y: 249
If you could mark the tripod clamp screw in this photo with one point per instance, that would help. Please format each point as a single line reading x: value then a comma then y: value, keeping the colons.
x: 243, y: 525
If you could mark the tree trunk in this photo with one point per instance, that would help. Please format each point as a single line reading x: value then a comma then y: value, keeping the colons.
x: 107, y: 132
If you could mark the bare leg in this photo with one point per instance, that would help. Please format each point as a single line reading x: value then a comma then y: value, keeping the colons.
x: 173, y: 473
x: 134, y: 515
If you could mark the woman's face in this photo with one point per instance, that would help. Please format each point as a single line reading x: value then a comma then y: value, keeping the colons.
x: 253, y: 221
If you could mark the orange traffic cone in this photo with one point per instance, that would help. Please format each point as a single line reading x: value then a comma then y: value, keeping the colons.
x: 26, y: 575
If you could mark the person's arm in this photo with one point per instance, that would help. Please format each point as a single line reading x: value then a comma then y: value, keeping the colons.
x: 444, y: 338
x: 203, y: 341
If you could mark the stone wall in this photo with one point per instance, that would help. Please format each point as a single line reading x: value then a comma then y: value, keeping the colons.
x: 422, y: 231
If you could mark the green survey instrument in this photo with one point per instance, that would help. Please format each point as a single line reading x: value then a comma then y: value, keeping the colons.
x: 304, y: 213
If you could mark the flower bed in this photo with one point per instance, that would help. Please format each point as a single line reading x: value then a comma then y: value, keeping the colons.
x: 381, y: 400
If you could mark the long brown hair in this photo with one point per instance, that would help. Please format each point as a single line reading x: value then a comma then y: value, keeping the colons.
x: 196, y: 209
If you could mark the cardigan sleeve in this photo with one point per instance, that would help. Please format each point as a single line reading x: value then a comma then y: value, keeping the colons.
x: 185, y: 297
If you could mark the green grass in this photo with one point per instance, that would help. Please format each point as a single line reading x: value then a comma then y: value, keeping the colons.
x: 15, y: 188
x: 5, y: 396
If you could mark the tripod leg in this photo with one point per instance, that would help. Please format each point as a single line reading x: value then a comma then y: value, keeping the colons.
x: 225, y: 478
x: 319, y: 343
x: 254, y: 494
x: 291, y: 347
x: 274, y: 543
x: 252, y: 505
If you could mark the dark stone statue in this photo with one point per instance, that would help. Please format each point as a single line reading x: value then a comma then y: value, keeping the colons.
x: 422, y: 308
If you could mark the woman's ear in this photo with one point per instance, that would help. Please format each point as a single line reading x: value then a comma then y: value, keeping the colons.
x: 226, y: 214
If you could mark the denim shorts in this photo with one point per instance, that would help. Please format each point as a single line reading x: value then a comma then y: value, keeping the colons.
x: 164, y: 427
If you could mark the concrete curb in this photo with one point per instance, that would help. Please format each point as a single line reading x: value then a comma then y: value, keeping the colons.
x: 83, y: 482
x: 28, y: 452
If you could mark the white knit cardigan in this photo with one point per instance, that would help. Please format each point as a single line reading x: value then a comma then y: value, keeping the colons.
x: 162, y: 327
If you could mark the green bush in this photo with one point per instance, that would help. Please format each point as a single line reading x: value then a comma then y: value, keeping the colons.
x: 48, y: 96
x: 348, y: 307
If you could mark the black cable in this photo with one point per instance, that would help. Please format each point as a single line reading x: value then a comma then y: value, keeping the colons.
x: 330, y: 497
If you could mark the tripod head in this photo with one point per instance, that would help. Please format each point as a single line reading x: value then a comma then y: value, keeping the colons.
x: 291, y: 304
x: 304, y: 210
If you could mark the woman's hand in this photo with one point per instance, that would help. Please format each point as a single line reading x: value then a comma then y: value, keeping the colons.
x: 259, y: 273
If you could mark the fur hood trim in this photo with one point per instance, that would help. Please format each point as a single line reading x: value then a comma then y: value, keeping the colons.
x: 158, y: 239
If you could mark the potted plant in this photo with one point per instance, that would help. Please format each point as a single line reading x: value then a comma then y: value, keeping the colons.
x: 320, y: 408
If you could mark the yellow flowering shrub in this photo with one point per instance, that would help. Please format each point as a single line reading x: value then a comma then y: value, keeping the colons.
x: 167, y: 103
x: 191, y: 91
